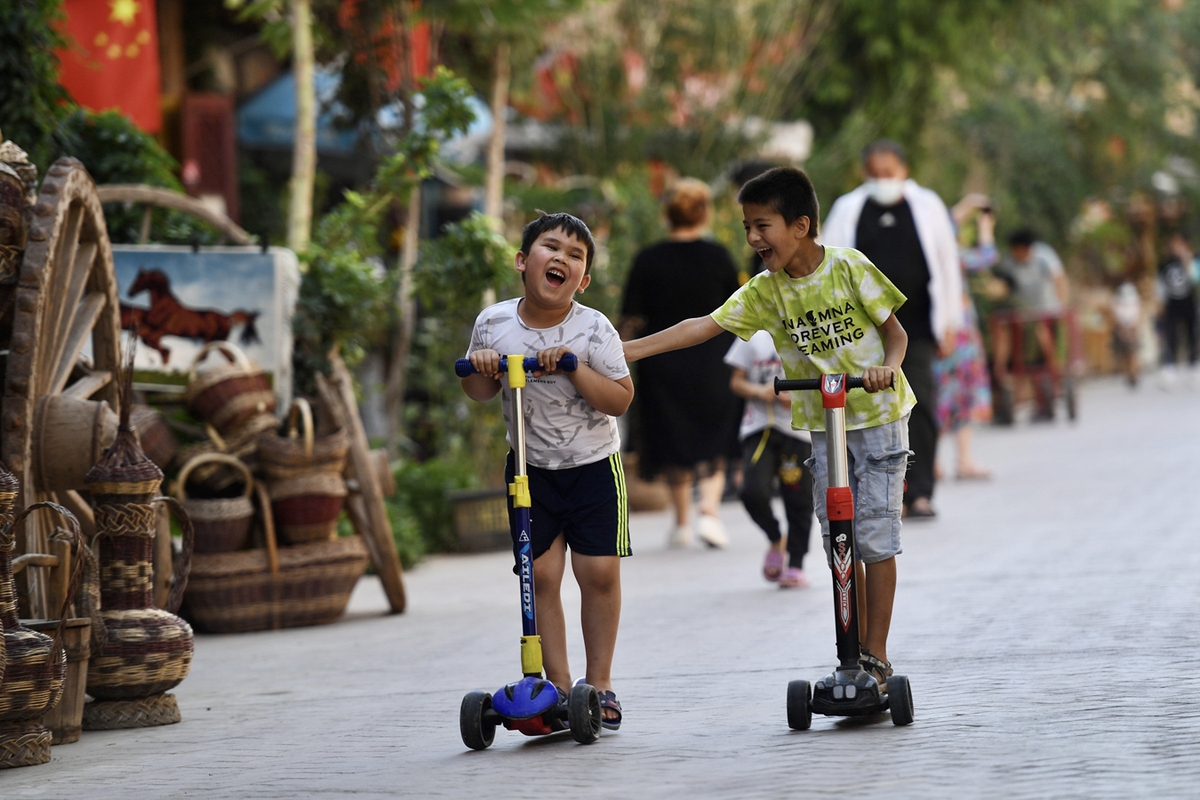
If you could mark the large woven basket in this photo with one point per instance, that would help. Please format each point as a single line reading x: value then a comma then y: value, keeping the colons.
x: 229, y: 395
x: 222, y: 524
x: 304, y: 477
x: 265, y: 589
x: 155, y: 436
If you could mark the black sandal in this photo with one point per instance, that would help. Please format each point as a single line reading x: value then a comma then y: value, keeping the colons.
x: 881, y: 670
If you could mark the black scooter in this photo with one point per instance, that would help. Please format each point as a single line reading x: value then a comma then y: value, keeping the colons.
x: 849, y: 691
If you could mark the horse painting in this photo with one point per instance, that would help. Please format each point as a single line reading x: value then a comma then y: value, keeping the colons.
x: 166, y: 316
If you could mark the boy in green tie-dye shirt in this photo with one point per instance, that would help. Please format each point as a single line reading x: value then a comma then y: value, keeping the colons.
x: 829, y: 310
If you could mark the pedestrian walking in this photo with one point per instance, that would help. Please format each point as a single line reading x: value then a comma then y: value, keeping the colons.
x: 904, y: 229
x: 964, y: 386
x: 1125, y: 313
x: 1177, y: 280
x: 772, y: 451
x: 688, y: 415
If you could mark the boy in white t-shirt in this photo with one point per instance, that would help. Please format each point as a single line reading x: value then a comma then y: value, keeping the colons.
x: 576, y: 480
x: 772, y: 449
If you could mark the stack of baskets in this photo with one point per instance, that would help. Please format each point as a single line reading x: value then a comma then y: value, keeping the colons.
x: 307, y: 581
x: 304, y: 478
x: 234, y: 396
x: 236, y: 402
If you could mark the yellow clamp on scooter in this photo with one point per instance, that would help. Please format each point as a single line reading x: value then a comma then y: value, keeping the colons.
x: 516, y: 377
x: 519, y: 489
x: 531, y: 655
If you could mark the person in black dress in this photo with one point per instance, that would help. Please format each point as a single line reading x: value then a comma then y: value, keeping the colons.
x: 688, y: 415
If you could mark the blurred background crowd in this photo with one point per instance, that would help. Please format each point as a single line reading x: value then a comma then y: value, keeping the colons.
x: 1026, y: 171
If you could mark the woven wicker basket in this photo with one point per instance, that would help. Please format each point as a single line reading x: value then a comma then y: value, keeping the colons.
x: 154, y: 435
x: 145, y: 650
x: 229, y: 395
x: 36, y: 664
x: 265, y: 589
x: 222, y: 525
x: 304, y: 478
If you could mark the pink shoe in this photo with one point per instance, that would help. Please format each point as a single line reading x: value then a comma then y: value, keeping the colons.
x: 794, y: 578
x: 773, y: 565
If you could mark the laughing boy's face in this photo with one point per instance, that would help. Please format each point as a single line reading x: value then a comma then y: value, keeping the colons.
x: 554, y: 269
x: 772, y: 238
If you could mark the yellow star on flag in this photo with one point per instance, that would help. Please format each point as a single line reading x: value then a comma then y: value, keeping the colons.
x: 124, y: 11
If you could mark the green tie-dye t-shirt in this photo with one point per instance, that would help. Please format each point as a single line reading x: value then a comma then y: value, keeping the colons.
x: 825, y: 323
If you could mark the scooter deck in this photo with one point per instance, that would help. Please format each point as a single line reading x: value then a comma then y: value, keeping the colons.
x: 848, y: 693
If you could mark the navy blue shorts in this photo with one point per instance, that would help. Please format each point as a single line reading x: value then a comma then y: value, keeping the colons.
x: 587, y: 505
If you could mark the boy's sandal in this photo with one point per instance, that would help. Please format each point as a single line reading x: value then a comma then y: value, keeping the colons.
x: 559, y: 723
x: 609, y: 700
x: 773, y: 565
x: 881, y: 670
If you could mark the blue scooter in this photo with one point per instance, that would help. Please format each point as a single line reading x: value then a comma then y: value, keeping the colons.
x: 530, y: 705
x: 850, y: 691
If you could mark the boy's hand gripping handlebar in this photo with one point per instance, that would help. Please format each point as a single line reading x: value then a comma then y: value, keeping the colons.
x: 814, y: 384
x: 568, y: 363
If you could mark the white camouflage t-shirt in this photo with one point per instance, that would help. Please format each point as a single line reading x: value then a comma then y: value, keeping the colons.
x: 562, y: 430
x: 759, y: 360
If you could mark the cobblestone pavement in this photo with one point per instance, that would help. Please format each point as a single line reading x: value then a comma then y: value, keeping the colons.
x: 1047, y: 621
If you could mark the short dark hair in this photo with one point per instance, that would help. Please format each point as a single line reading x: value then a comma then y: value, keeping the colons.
x: 562, y: 221
x: 884, y: 146
x: 789, y: 191
x: 1022, y: 237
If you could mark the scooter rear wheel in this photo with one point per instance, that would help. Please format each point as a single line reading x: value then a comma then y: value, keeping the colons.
x: 900, y: 700
x: 583, y: 711
x: 799, y: 705
x: 476, y: 733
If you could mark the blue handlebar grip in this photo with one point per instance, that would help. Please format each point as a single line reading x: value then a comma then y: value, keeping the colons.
x: 568, y: 363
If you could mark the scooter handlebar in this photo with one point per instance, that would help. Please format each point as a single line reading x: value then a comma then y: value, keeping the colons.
x: 568, y: 363
x: 814, y: 384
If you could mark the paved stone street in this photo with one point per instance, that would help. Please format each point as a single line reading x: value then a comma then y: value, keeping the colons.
x: 1047, y: 621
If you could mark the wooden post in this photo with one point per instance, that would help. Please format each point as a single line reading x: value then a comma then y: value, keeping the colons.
x: 60, y: 575
x: 164, y: 558
x: 366, y: 510
x: 304, y: 143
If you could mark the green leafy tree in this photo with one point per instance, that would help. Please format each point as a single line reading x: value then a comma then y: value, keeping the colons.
x: 494, y: 36
x: 114, y: 150
x: 32, y: 104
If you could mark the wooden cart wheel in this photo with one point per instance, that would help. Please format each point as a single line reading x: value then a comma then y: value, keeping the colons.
x: 66, y: 298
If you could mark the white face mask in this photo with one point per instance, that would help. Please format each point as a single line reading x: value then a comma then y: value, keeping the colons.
x: 886, y: 191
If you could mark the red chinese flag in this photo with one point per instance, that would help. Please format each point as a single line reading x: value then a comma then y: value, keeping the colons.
x: 111, y: 60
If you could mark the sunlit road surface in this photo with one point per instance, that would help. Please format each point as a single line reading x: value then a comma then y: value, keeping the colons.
x: 1048, y: 621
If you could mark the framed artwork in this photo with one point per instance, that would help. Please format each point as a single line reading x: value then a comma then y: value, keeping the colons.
x: 177, y: 299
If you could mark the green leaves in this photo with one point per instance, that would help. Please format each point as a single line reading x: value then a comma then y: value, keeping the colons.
x: 456, y: 267
x: 32, y: 104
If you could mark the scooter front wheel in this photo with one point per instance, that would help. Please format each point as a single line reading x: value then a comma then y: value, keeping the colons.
x: 583, y: 711
x: 900, y: 700
x: 477, y: 733
x: 799, y: 705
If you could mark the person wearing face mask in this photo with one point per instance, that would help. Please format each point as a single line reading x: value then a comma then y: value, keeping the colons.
x: 905, y: 230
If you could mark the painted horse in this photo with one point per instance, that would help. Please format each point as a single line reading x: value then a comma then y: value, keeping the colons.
x: 167, y: 316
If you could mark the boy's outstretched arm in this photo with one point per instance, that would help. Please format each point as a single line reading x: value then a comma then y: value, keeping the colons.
x: 895, y: 345
x: 688, y: 333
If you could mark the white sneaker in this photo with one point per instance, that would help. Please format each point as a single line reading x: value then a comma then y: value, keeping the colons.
x: 1166, y: 378
x: 680, y: 537
x: 710, y: 529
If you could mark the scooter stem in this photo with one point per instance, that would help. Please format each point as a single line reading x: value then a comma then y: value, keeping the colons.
x: 531, y: 643
x: 839, y: 510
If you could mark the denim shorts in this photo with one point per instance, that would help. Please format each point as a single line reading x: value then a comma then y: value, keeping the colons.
x: 878, y: 461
